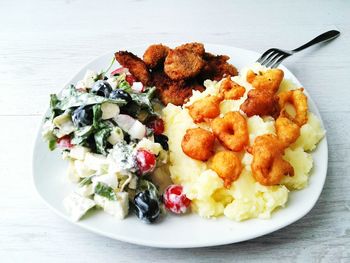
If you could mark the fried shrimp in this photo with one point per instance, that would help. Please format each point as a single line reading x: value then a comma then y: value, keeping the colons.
x: 206, y: 108
x: 227, y: 165
x: 182, y: 64
x: 230, y: 90
x: 287, y: 131
x: 135, y: 65
x: 269, y: 80
x: 155, y: 55
x: 231, y: 130
x: 260, y: 102
x: 268, y: 166
x: 198, y: 144
x: 299, y: 101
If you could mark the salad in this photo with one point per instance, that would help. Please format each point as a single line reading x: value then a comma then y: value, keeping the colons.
x: 110, y: 132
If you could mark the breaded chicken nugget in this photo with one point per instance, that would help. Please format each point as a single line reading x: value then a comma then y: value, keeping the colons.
x: 182, y: 64
x: 262, y: 103
x: 195, y: 47
x: 198, y: 144
x: 155, y: 55
x: 135, y: 65
x: 216, y: 67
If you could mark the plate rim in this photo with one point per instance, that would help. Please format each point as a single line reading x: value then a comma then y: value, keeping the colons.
x: 131, y: 240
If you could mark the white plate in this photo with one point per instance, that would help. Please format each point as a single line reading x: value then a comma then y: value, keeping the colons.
x: 49, y: 173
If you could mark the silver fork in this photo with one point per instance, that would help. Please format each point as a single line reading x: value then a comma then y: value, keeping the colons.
x: 274, y: 56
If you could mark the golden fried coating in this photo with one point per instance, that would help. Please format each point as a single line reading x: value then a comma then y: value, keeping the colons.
x: 206, y: 108
x: 268, y: 166
x: 216, y: 67
x: 298, y: 99
x: 135, y: 65
x: 155, y: 55
x: 198, y: 144
x: 287, y: 131
x: 171, y: 91
x: 195, y: 47
x: 260, y: 102
x: 231, y: 130
x: 227, y: 165
x: 230, y: 90
x: 269, y: 80
x: 182, y: 64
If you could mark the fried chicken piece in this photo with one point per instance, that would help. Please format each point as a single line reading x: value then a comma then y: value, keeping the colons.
x: 260, y: 102
x: 182, y: 64
x: 175, y: 95
x: 172, y: 91
x: 155, y: 55
x: 198, y: 144
x: 205, y: 108
x: 135, y: 65
x: 216, y: 67
x: 269, y: 80
x: 230, y: 90
x: 195, y: 47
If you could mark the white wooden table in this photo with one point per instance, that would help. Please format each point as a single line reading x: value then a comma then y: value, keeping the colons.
x: 42, y: 43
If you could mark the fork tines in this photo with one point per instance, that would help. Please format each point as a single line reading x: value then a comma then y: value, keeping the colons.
x: 272, y: 57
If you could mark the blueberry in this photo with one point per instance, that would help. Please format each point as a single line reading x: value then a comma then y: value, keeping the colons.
x: 101, y: 88
x: 82, y: 116
x: 146, y: 208
x: 120, y: 94
x: 162, y: 140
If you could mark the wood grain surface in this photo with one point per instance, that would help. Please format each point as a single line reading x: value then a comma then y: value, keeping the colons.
x: 43, y: 43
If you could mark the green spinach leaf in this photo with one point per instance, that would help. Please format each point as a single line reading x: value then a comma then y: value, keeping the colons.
x: 105, y: 191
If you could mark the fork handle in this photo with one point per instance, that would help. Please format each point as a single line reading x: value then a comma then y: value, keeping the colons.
x: 321, y: 38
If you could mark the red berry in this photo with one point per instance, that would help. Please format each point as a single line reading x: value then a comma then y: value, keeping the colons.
x: 175, y: 200
x: 146, y: 161
x: 130, y: 79
x: 157, y: 126
x: 65, y: 142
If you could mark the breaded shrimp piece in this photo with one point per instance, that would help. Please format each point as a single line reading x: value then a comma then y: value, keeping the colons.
x: 198, y: 144
x: 155, y: 55
x: 135, y: 65
x: 182, y: 64
x: 269, y: 80
x: 299, y: 100
x: 268, y: 166
x: 260, y: 102
x: 231, y: 130
x: 227, y: 165
x: 287, y: 131
x: 195, y: 47
x: 230, y: 90
x: 205, y: 108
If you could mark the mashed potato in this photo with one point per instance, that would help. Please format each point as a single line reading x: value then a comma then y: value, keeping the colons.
x: 246, y: 198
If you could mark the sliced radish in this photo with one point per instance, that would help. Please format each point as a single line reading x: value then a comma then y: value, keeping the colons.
x: 120, y: 71
x: 138, y: 87
x: 130, y: 79
x: 125, y: 122
x: 137, y: 130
